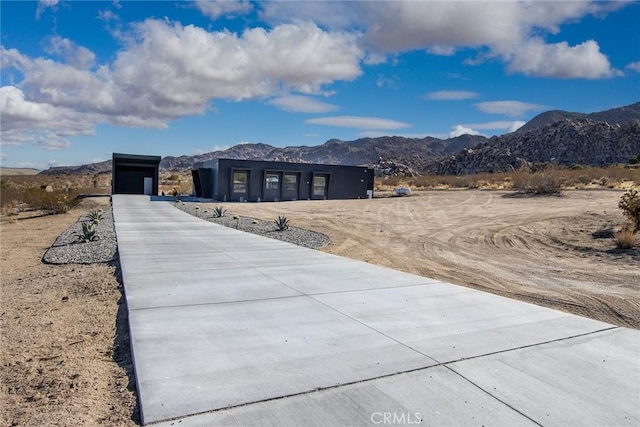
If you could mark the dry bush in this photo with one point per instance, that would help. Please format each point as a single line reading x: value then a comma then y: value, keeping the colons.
x: 10, y: 195
x: 544, y: 183
x: 630, y: 206
x: 56, y: 201
x: 625, y: 238
x: 574, y: 176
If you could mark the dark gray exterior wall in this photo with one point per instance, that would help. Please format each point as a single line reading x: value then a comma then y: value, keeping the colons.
x: 128, y: 172
x: 276, y: 181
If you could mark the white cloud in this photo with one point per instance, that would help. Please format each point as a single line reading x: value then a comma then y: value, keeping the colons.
x: 515, y: 126
x: 451, y: 95
x: 496, y: 125
x: 224, y: 147
x: 359, y: 122
x: 506, y: 126
x: 50, y: 141
x: 77, y: 56
x: 167, y: 71
x: 107, y: 15
x: 459, y: 130
x: 336, y: 15
x: 509, y: 108
x: 43, y: 5
x: 46, y: 125
x: 302, y: 104
x: 509, y: 30
x: 217, y: 8
x: 3, y: 156
x: 560, y: 60
x: 634, y: 66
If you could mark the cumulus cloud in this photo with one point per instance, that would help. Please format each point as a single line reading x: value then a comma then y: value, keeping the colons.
x: 77, y: 56
x: 26, y: 121
x: 302, y: 104
x: 560, y: 60
x: 509, y: 108
x: 509, y: 30
x: 168, y: 71
x: 451, y: 95
x: 459, y: 130
x: 217, y: 8
x: 358, y: 122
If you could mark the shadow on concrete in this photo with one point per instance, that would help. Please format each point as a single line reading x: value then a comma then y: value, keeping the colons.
x: 122, y: 342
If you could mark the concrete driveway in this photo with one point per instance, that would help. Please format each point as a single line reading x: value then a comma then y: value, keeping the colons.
x: 229, y: 328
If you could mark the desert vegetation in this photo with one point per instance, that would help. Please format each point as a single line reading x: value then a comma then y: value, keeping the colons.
x: 537, y: 179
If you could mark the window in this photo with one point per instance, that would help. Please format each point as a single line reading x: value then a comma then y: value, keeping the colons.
x: 240, y: 182
x: 290, y: 183
x: 272, y: 181
x: 319, y: 185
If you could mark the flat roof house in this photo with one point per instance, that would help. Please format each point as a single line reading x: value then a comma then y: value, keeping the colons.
x: 134, y: 174
x: 252, y: 180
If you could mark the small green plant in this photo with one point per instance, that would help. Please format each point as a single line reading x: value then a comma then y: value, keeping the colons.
x: 88, y: 233
x: 625, y: 238
x: 95, y: 216
x: 282, y: 223
x: 219, y: 211
x: 630, y: 206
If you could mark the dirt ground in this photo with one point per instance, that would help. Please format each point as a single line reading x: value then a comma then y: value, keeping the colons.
x: 537, y: 249
x: 64, y: 347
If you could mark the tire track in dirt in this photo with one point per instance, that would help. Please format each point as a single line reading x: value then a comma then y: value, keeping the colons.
x: 539, y: 250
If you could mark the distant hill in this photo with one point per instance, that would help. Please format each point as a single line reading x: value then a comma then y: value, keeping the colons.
x: 565, y: 142
x: 562, y: 137
x: 618, y: 115
x: 91, y: 168
x: 413, y: 152
x: 18, y: 171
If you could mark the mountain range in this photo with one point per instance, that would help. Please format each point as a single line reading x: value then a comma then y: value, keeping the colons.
x: 567, y: 138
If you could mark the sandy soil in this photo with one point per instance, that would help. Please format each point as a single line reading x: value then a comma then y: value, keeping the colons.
x: 540, y: 249
x: 64, y: 347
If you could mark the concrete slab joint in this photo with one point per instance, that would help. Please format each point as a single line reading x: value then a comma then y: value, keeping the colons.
x: 224, y: 332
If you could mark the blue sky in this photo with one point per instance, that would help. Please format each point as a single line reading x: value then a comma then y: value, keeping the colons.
x: 83, y: 79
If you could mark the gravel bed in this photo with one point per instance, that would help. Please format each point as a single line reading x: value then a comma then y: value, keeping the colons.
x: 67, y: 249
x: 295, y: 235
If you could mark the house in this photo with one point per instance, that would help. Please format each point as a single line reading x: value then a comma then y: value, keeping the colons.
x: 134, y: 174
x: 255, y: 181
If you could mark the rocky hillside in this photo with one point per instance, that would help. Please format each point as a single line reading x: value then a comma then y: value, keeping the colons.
x: 566, y: 142
x: 554, y: 136
x: 91, y: 168
x: 618, y: 116
x: 411, y: 152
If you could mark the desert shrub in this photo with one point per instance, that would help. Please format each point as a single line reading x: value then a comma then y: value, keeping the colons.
x: 282, y: 223
x: 625, y: 238
x: 544, y: 183
x: 88, y: 233
x: 10, y: 195
x: 56, y: 201
x: 94, y: 216
x: 219, y: 211
x: 630, y: 205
